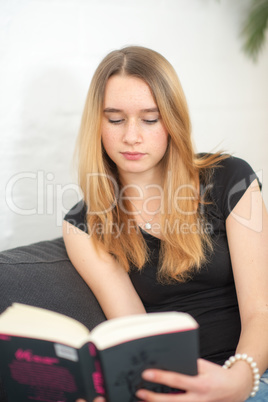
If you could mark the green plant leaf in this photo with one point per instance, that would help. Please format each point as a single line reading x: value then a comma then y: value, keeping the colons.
x: 254, y: 28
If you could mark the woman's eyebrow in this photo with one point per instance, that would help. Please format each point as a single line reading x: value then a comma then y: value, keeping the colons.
x: 113, y: 110
x: 151, y: 109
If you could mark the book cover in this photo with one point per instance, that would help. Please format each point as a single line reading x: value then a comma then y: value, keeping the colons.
x: 48, y: 357
x: 123, y: 364
x: 40, y: 370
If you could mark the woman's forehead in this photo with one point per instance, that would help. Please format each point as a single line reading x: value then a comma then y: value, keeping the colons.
x: 124, y: 91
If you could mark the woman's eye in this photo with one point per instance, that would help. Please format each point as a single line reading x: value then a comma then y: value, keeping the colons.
x: 115, y: 121
x: 151, y: 121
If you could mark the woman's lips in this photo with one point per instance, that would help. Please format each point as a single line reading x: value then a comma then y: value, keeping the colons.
x: 132, y: 156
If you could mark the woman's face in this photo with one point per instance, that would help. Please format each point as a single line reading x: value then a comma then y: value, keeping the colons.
x: 133, y: 133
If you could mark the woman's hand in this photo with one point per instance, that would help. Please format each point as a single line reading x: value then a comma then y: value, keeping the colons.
x: 98, y: 399
x: 212, y: 384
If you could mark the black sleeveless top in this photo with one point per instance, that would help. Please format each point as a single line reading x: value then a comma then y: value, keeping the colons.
x: 209, y: 296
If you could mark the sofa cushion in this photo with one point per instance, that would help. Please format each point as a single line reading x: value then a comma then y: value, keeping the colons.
x: 42, y: 275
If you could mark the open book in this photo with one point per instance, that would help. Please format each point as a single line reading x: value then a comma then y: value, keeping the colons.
x: 46, y: 356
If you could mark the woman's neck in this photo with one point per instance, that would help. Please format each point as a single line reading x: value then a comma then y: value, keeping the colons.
x: 145, y: 183
x: 143, y: 195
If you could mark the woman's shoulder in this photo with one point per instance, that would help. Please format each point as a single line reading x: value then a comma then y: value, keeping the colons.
x: 77, y: 215
x: 234, y: 171
x: 227, y: 181
x: 228, y: 168
x: 233, y: 164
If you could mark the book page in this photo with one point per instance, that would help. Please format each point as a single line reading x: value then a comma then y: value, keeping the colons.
x: 122, y: 329
x: 28, y: 321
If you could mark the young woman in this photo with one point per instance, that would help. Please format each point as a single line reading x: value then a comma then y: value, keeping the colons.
x: 160, y: 228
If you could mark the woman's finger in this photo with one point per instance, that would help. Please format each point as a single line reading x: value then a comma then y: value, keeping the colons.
x: 174, y: 380
x: 150, y: 396
x: 98, y: 399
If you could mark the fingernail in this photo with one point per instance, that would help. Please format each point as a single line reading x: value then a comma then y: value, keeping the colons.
x: 140, y: 394
x: 148, y: 375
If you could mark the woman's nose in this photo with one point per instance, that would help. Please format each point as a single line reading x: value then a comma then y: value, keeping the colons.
x: 132, y: 134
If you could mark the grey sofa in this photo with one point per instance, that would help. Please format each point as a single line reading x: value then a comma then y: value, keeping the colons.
x: 42, y: 275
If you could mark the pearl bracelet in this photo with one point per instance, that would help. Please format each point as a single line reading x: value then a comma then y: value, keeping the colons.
x: 253, y: 366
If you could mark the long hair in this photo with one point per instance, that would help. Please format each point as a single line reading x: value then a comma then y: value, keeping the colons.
x: 108, y: 224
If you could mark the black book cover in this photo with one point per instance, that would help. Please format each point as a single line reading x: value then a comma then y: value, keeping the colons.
x: 48, y: 357
x: 123, y: 364
x: 39, y: 370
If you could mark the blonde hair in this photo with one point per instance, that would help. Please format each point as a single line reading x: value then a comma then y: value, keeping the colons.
x: 180, y: 253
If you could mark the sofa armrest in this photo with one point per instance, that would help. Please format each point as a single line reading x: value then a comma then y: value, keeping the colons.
x: 42, y: 275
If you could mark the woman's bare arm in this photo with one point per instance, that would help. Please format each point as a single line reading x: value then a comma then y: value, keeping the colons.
x: 109, y: 282
x: 247, y: 229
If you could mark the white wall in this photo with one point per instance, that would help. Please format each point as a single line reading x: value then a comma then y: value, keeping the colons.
x: 48, y: 52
